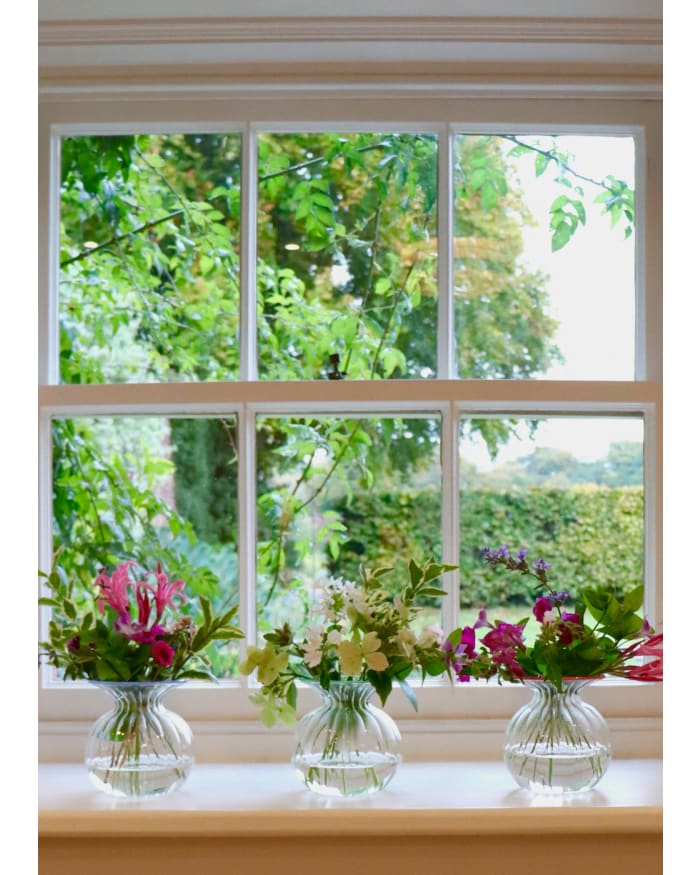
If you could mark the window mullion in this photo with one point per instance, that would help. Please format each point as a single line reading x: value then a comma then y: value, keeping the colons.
x: 248, y: 232
x: 445, y: 333
x: 247, y: 564
x: 450, y: 514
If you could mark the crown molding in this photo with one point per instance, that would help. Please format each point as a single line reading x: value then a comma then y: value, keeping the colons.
x: 461, y: 54
x: 350, y: 29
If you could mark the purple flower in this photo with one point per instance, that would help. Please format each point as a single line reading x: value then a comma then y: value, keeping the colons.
x: 559, y: 598
x: 571, y: 618
x: 541, y: 566
x: 73, y: 644
x: 482, y: 621
x: 521, y: 554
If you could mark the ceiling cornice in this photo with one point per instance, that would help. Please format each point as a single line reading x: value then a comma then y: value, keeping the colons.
x: 54, y: 34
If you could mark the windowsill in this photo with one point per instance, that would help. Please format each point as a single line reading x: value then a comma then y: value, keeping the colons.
x: 267, y: 800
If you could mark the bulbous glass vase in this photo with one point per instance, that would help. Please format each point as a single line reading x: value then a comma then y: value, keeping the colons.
x: 557, y: 743
x: 347, y: 747
x: 138, y: 748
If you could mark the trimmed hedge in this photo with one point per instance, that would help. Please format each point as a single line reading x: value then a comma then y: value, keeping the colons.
x: 591, y: 535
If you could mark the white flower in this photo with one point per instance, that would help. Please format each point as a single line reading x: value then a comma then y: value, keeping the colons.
x: 406, y: 640
x: 313, y: 646
x: 549, y: 618
x: 432, y: 634
x: 334, y: 637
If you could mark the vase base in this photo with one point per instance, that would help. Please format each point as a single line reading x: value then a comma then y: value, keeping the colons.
x: 146, y: 779
x: 349, y: 779
x: 555, y: 773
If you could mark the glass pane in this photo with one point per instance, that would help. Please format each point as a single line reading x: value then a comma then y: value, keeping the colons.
x: 149, y: 261
x: 544, y: 257
x: 347, y: 255
x: 569, y: 489
x: 334, y: 494
x: 152, y: 490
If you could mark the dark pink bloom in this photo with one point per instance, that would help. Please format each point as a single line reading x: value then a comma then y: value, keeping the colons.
x: 73, y: 644
x: 468, y: 640
x: 542, y: 605
x: 504, y: 642
x: 163, y: 653
x: 503, y: 637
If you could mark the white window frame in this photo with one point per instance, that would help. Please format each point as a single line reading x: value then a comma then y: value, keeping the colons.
x: 468, y: 719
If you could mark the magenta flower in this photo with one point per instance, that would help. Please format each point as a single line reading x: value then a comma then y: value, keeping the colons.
x: 542, y: 605
x: 163, y: 653
x: 504, y: 636
x: 468, y: 642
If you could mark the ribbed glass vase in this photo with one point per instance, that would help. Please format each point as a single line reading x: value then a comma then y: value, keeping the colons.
x: 557, y: 742
x: 139, y: 747
x: 347, y: 747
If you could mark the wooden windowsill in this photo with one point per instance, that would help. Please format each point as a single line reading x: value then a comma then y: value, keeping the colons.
x: 265, y: 799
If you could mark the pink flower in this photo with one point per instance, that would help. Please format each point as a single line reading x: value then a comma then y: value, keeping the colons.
x: 165, y: 592
x: 114, y: 590
x: 163, y: 653
x: 650, y: 671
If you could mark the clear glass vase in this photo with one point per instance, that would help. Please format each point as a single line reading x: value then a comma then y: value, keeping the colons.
x: 347, y: 747
x: 557, y: 743
x: 138, y: 748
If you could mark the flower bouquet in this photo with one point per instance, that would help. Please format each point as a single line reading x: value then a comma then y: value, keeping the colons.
x: 558, y: 742
x: 133, y: 637
x: 363, y: 641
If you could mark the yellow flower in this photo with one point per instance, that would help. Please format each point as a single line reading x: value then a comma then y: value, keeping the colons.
x: 351, y: 655
x: 268, y: 662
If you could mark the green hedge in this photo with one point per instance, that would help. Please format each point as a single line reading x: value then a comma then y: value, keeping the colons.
x: 591, y: 535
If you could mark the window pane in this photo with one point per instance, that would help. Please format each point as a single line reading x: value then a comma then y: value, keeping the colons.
x: 149, y: 260
x: 544, y: 257
x: 152, y: 490
x: 571, y: 492
x: 347, y: 255
x: 334, y: 494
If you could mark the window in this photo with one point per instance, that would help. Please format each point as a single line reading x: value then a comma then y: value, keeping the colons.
x: 276, y: 347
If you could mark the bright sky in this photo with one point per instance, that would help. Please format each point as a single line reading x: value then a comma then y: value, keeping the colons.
x: 591, y: 289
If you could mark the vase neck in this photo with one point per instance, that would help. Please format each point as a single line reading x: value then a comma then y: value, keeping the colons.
x: 135, y: 693
x: 352, y: 693
x: 569, y: 686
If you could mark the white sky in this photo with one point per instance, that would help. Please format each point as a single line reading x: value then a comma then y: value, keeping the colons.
x: 591, y: 290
